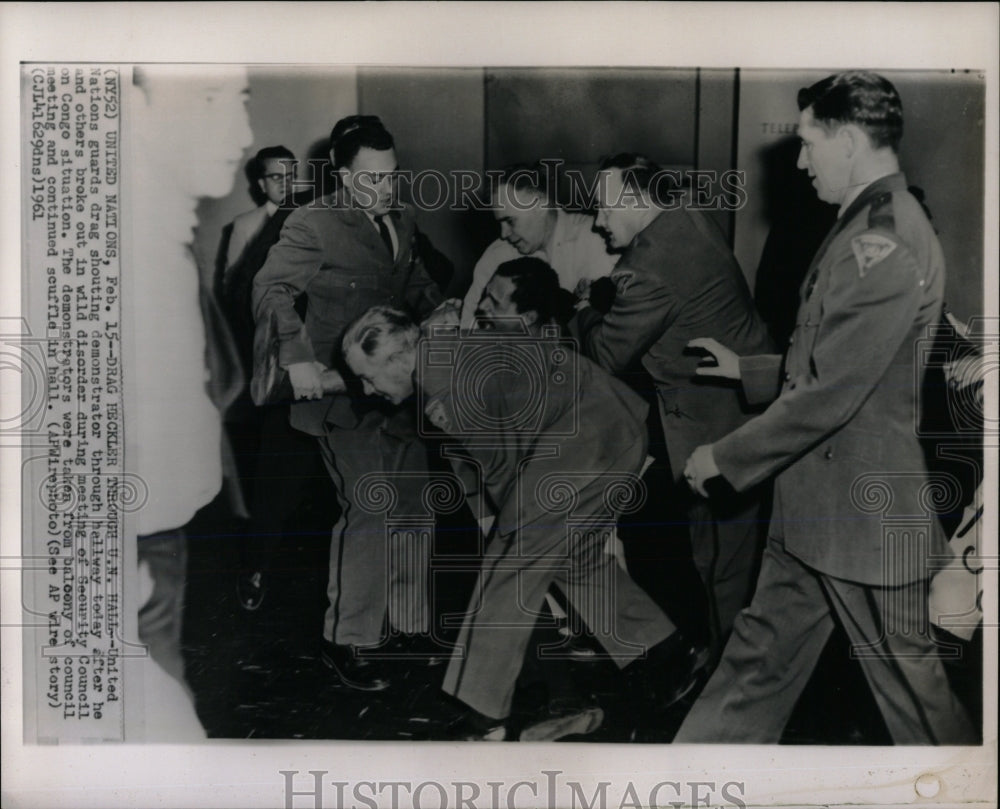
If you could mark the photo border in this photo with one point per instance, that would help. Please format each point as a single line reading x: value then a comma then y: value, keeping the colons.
x: 231, y: 773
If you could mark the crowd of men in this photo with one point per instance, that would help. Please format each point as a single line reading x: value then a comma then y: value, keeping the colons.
x: 581, y: 341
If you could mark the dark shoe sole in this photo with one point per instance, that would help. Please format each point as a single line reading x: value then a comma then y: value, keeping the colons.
x: 577, y: 724
x: 698, y: 676
x: 376, y: 685
x: 250, y: 603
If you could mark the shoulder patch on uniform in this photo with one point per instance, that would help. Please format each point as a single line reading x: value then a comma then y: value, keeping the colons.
x: 881, y: 214
x: 437, y: 415
x: 622, y: 280
x: 869, y: 249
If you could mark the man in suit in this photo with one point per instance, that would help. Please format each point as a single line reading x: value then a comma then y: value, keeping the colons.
x: 676, y: 279
x: 272, y: 172
x: 346, y: 252
x: 531, y: 224
x: 587, y: 435
x: 840, y: 436
x: 282, y: 472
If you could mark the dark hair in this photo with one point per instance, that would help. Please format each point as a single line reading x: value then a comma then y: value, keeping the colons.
x: 528, y: 177
x: 640, y: 175
x: 861, y: 98
x: 265, y: 154
x: 536, y: 287
x: 356, y: 132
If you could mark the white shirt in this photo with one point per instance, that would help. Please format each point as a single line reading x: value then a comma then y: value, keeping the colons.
x: 574, y: 251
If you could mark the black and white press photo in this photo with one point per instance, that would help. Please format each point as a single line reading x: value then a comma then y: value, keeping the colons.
x: 618, y: 407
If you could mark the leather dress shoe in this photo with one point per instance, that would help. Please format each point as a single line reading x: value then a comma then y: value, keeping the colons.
x: 423, y: 650
x: 353, y: 671
x: 583, y: 649
x: 472, y: 726
x: 251, y: 587
x: 672, y: 669
x: 561, y: 723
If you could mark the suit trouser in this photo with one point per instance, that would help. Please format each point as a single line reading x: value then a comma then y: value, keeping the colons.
x: 509, y: 595
x: 374, y: 569
x: 725, y: 540
x: 288, y: 472
x: 777, y: 640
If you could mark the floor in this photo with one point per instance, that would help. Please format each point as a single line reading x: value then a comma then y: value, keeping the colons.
x: 257, y: 674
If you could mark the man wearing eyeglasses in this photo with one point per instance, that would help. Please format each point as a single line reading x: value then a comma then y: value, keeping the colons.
x: 272, y: 172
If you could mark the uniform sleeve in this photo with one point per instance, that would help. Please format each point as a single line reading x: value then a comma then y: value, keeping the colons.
x: 760, y: 376
x: 866, y: 317
x: 643, y: 309
x: 447, y: 382
x: 435, y: 379
x: 291, y: 264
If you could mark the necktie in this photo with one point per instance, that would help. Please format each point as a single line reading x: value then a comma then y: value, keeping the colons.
x: 383, y: 231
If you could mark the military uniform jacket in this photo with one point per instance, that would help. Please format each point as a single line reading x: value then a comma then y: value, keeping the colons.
x: 678, y: 280
x: 842, y: 432
x: 333, y: 253
x: 558, y: 417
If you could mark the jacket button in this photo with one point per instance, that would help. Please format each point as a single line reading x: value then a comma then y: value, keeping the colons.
x: 829, y: 453
x: 352, y: 285
x: 788, y: 376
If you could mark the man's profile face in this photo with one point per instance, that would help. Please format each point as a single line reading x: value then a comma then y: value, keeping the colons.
x: 371, y: 178
x: 276, y: 180
x: 497, y: 312
x: 619, y: 211
x: 824, y: 156
x: 523, y: 218
x: 387, y: 373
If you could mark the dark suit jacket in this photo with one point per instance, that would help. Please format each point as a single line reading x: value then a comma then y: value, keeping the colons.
x: 677, y: 280
x: 331, y: 252
x: 852, y: 496
x: 235, y: 291
x: 563, y: 418
x: 245, y: 226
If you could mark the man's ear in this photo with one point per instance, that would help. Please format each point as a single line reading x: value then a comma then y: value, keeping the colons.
x: 401, y: 356
x: 851, y: 138
x: 262, y: 185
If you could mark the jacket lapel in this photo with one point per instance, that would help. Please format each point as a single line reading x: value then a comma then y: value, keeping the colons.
x: 403, y: 222
x: 368, y: 235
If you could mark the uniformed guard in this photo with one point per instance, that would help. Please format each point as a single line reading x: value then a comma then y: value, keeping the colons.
x: 555, y: 458
x: 847, y: 542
